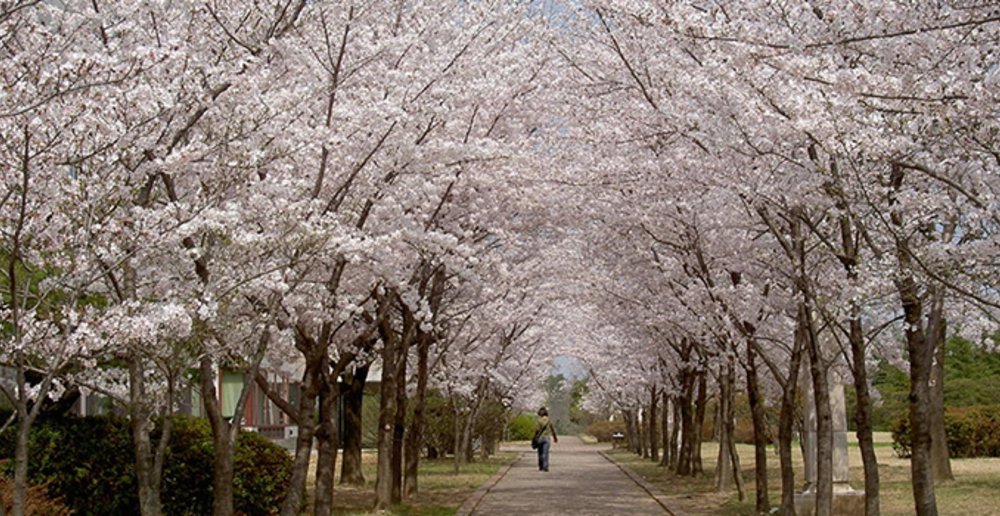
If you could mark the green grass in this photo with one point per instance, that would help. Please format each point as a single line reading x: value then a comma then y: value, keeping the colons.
x: 974, y: 492
x: 441, y: 491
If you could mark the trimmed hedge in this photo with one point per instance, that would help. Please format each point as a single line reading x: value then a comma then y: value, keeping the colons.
x: 971, y: 432
x: 89, y: 464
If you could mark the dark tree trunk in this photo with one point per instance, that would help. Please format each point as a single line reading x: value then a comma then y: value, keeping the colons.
x: 787, y: 419
x: 937, y: 334
x: 21, y: 462
x: 863, y: 418
x: 675, y: 428
x: 699, y: 421
x: 350, y: 469
x: 735, y: 456
x: 666, y: 458
x: 304, y: 417
x: 724, y: 472
x: 223, y: 471
x: 415, y: 434
x: 855, y: 336
x: 654, y: 437
x: 824, y: 421
x: 457, y: 437
x: 760, y: 431
x: 414, y: 438
x: 630, y: 431
x: 386, y: 418
x: 222, y: 458
x: 326, y: 441
x: 148, y: 461
x: 26, y: 415
x: 921, y: 355
x: 399, y: 427
x: 225, y: 430
x: 687, y: 429
x: 640, y: 430
x: 465, y: 446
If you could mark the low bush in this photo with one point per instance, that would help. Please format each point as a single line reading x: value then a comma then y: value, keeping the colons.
x: 85, y: 461
x: 522, y: 428
x: 89, y: 464
x: 602, y: 430
x: 971, y: 432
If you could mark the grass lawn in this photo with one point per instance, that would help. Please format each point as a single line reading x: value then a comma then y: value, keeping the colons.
x: 975, y: 491
x: 441, y: 491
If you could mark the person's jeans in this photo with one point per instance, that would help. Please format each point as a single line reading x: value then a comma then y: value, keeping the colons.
x: 543, y: 455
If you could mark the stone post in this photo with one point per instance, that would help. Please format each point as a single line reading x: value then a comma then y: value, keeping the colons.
x: 846, y: 500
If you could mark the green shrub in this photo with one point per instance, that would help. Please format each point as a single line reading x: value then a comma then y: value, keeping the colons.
x: 89, y: 464
x: 971, y: 432
x: 602, y: 430
x: 85, y: 461
x: 188, y: 464
x: 522, y: 427
x: 263, y: 471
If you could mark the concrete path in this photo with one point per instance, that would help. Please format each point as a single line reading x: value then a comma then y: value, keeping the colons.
x: 580, y: 481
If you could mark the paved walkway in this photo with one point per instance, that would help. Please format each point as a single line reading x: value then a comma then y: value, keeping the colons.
x: 580, y: 481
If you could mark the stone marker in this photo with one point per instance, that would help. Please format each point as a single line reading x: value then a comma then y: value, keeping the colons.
x: 846, y: 500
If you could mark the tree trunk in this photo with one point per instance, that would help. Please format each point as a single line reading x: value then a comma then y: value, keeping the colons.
x: 26, y: 416
x: 630, y: 430
x: 723, y: 466
x: 654, y: 437
x: 415, y: 434
x: 640, y: 430
x: 223, y: 449
x: 665, y: 432
x: 863, y: 417
x: 760, y: 431
x: 149, y: 495
x: 686, y: 408
x: 327, y: 441
x: 699, y: 421
x: 305, y: 418
x: 824, y: 422
x: 937, y: 334
x: 735, y: 456
x: 148, y: 463
x: 399, y: 428
x: 921, y: 356
x: 787, y: 419
x: 457, y: 437
x: 350, y: 469
x: 675, y: 428
x: 465, y: 447
x: 386, y: 418
x: 223, y: 471
x: 858, y: 362
x: 21, y: 460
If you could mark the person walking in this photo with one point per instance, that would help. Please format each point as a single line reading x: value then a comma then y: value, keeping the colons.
x: 543, y: 429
